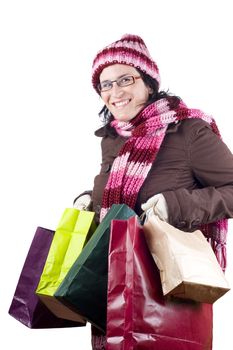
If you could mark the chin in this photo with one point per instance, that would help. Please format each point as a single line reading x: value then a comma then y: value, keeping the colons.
x: 123, y: 118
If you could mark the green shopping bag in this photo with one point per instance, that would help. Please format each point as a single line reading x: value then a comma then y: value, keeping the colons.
x: 72, y: 233
x: 84, y: 289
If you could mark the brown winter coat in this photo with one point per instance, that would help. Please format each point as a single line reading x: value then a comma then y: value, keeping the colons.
x: 193, y: 170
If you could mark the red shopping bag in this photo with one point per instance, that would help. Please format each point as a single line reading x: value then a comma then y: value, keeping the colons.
x: 138, y: 315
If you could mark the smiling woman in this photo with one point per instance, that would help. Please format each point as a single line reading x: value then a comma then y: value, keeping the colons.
x: 157, y: 152
x: 127, y: 97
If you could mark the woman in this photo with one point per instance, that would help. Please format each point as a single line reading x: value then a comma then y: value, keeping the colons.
x: 157, y: 151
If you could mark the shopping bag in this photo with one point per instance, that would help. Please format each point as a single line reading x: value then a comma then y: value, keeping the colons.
x: 25, y: 306
x: 84, y: 289
x: 73, y: 231
x: 138, y: 315
x: 187, y: 264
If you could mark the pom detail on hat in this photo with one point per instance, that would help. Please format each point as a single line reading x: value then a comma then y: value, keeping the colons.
x: 130, y: 50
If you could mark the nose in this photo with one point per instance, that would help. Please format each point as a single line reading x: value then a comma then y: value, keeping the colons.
x: 117, y: 90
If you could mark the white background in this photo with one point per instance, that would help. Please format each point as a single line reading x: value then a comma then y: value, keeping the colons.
x: 49, y: 112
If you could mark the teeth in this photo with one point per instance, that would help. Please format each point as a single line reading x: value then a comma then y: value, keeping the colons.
x: 121, y: 103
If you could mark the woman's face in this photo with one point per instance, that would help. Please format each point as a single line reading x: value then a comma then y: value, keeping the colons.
x: 124, y: 102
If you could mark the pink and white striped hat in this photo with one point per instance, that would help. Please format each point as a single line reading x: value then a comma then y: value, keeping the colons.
x: 130, y: 50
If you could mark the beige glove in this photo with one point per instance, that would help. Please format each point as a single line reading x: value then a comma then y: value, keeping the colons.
x: 159, y: 202
x: 83, y: 202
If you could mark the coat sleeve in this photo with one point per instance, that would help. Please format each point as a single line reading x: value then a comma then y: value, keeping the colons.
x: 211, y: 163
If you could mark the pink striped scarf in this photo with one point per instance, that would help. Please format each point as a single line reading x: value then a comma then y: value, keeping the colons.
x: 145, y: 134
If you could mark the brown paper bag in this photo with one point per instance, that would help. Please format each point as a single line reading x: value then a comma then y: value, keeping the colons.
x: 187, y: 264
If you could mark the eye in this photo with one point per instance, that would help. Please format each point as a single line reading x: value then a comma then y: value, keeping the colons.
x: 127, y: 80
x: 105, y: 85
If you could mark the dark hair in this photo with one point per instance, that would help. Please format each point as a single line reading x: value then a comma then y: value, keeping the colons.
x: 156, y: 95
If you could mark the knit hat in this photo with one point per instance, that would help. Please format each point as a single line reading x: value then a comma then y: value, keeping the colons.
x: 130, y: 50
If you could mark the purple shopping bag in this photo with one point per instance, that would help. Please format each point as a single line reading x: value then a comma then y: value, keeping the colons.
x: 26, y: 306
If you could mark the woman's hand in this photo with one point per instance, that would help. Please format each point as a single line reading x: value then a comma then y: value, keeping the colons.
x: 159, y: 203
x: 83, y: 202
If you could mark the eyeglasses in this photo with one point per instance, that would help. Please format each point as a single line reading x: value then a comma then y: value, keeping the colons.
x: 122, y: 81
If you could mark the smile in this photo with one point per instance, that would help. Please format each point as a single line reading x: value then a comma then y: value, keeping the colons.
x: 121, y: 103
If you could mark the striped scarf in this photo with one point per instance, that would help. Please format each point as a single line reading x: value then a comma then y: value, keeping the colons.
x: 145, y: 134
